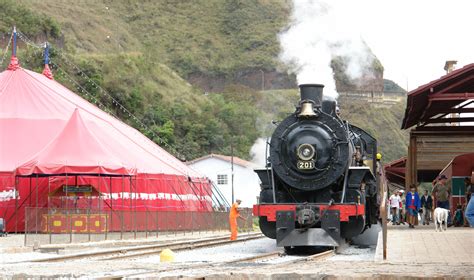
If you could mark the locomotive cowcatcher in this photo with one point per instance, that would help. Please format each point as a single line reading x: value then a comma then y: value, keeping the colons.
x: 319, y: 186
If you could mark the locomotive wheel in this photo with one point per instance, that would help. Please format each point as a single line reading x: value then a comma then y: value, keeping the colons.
x: 267, y: 228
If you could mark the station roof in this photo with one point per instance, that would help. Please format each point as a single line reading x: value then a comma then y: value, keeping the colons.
x: 430, y: 103
x: 395, y: 171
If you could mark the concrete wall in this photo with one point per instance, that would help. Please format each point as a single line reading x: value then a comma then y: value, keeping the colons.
x: 246, y: 182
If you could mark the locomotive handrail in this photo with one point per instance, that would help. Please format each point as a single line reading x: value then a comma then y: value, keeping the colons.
x: 383, y: 188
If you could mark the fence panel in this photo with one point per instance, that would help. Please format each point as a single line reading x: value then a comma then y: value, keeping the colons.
x: 63, y: 225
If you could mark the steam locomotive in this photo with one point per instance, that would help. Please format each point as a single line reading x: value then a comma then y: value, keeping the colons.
x: 319, y: 186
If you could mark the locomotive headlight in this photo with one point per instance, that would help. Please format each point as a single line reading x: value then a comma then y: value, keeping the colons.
x: 306, y: 152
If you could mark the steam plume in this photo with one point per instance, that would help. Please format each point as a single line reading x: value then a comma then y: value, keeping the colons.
x: 258, y: 152
x: 315, y: 36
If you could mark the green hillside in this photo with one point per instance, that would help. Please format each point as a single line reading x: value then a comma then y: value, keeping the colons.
x: 142, y: 52
x: 381, y: 122
x: 391, y: 86
x: 206, y: 36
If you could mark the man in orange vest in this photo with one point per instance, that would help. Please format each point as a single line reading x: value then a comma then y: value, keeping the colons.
x: 233, y: 215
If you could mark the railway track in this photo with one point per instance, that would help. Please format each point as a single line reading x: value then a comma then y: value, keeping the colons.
x: 140, y: 251
x: 225, y: 265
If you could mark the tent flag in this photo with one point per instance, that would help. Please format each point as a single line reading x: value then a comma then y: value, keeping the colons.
x: 14, y: 63
x: 46, y: 71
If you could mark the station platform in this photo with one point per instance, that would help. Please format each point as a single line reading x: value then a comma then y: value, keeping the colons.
x: 424, y: 245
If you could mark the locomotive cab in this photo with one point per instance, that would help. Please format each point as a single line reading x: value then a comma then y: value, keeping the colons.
x: 316, y: 189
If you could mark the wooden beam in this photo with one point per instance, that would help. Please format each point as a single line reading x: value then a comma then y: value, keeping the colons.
x: 449, y: 120
x: 462, y: 81
x: 450, y: 130
x: 424, y: 118
x: 455, y: 110
x: 411, y: 166
x: 451, y: 96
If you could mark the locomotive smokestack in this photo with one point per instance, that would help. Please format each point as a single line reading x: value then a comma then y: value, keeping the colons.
x: 312, y: 92
x: 311, y: 96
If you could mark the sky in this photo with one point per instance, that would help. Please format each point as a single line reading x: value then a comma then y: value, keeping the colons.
x: 413, y: 39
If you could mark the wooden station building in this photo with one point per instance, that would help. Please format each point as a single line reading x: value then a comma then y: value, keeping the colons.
x: 440, y: 116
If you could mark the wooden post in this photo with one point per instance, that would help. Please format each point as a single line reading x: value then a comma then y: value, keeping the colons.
x: 411, y: 176
x: 383, y: 189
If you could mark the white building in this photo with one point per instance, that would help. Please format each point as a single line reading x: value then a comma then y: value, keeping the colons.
x: 218, y: 168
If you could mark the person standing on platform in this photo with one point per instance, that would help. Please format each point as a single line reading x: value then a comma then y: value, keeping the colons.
x: 469, y: 214
x: 469, y: 188
x: 394, y: 205
x: 401, y: 209
x: 442, y: 194
x: 233, y: 215
x: 426, y: 205
x: 469, y: 194
x: 435, y: 202
x: 413, y: 205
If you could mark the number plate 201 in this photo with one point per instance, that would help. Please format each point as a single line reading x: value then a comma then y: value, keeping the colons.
x: 305, y: 165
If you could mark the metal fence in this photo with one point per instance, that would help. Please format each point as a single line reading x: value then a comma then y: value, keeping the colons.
x: 56, y: 226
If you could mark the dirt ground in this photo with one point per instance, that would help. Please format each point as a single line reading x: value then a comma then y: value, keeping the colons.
x: 343, y: 270
x: 351, y: 263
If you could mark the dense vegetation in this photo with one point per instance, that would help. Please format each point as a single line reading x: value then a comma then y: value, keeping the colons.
x: 28, y: 21
x: 216, y: 37
x: 142, y: 52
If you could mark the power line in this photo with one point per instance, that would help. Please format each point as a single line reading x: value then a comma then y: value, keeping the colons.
x: 6, y: 49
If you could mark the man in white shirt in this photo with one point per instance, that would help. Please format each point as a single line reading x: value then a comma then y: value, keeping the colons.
x: 394, y: 206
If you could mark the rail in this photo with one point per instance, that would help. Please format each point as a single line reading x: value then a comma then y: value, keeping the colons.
x: 145, y: 250
x: 383, y: 191
x: 185, y: 268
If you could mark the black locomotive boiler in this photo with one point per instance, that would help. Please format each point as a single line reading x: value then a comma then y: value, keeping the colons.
x: 319, y: 185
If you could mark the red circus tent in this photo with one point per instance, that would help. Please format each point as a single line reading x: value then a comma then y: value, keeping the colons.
x: 50, y: 137
x: 67, y: 154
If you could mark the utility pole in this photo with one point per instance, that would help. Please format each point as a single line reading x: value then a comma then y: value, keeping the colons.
x: 232, y: 168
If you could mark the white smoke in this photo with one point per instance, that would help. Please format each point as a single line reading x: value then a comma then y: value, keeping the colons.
x: 258, y: 152
x: 316, y: 35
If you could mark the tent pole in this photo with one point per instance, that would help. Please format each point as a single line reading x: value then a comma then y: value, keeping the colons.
x: 16, y: 205
x: 48, y: 213
x: 135, y: 209
x: 131, y: 203
x: 68, y: 217
x: 122, y: 210
x: 146, y: 213
x: 89, y: 208
x: 157, y: 221
x: 31, y: 191
x: 37, y: 209
x: 111, y: 207
x: 100, y: 204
